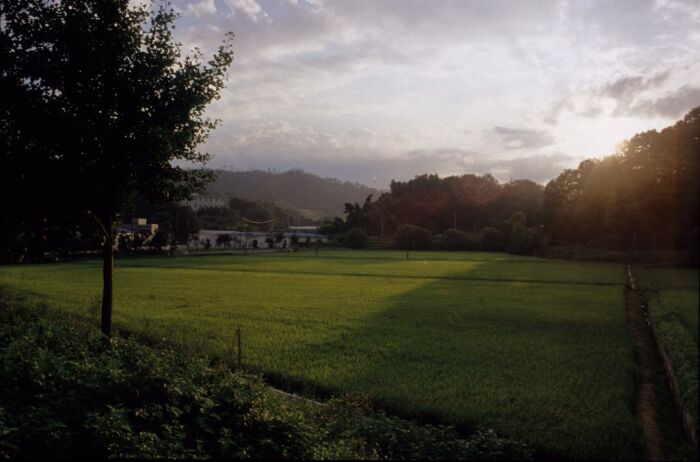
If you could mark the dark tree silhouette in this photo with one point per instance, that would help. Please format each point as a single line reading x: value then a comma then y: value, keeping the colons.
x: 645, y: 196
x: 98, y: 101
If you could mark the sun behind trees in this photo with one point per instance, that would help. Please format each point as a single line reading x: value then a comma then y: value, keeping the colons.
x: 646, y: 196
x: 98, y: 101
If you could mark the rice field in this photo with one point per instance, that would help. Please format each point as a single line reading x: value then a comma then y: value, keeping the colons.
x: 535, y: 349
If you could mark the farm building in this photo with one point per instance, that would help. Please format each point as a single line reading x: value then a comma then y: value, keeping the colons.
x: 138, y: 226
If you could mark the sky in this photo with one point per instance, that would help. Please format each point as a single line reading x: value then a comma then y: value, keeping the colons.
x: 372, y: 90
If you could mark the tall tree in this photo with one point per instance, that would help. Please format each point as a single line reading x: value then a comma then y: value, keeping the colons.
x: 645, y: 196
x: 100, y: 104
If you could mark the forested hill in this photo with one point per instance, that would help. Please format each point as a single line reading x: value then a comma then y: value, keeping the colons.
x: 313, y: 196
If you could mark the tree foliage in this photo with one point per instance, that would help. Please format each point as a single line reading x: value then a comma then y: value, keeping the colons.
x: 355, y: 239
x: 454, y: 239
x: 645, y: 196
x: 469, y: 201
x: 411, y: 237
x: 98, y: 104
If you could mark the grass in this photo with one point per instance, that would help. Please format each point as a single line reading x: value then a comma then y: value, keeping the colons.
x: 536, y: 349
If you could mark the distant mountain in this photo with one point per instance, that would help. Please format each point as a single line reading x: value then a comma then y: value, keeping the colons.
x: 312, y: 196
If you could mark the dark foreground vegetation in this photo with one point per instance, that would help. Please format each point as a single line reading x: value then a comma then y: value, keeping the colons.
x: 68, y: 391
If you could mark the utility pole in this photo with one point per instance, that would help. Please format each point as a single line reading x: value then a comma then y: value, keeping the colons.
x: 381, y: 225
x: 316, y: 240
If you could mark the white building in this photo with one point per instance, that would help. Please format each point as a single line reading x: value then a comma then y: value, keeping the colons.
x: 257, y: 239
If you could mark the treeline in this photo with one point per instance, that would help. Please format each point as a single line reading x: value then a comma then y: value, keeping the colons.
x: 467, y: 212
x: 644, y: 197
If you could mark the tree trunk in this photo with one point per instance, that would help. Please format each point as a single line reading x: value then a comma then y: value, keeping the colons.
x: 108, y: 277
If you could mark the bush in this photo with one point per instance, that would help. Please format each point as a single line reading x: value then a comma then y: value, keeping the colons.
x: 681, y: 349
x: 523, y: 241
x: 454, y: 239
x: 492, y: 239
x: 352, y: 418
x: 412, y: 237
x: 355, y: 239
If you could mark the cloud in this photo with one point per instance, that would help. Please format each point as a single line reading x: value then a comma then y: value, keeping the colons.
x: 671, y: 105
x: 630, y: 95
x: 626, y: 90
x: 359, y: 156
x: 200, y: 8
x: 351, y: 89
x: 250, y: 8
x: 523, y: 138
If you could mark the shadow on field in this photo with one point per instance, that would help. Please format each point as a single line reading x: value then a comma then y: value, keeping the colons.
x: 549, y: 364
x: 518, y: 269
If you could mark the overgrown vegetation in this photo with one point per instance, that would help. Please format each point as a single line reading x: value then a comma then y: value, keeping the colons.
x: 67, y: 391
x: 682, y: 352
x: 672, y: 295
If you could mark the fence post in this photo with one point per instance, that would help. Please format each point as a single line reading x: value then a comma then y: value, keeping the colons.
x: 238, y: 340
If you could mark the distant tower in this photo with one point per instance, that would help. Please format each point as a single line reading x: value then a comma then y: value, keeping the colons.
x: 374, y: 182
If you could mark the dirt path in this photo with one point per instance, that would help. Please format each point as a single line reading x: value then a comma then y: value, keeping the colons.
x: 663, y: 432
x: 646, y: 393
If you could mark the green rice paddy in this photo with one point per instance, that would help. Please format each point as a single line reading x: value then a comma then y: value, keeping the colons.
x: 536, y: 349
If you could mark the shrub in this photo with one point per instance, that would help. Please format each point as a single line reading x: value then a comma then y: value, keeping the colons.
x: 523, y: 241
x: 355, y: 239
x: 682, y: 351
x: 454, y: 239
x: 492, y: 239
x: 378, y: 436
x: 412, y: 237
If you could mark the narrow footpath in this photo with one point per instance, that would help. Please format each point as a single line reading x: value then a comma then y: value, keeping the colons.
x: 664, y: 438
